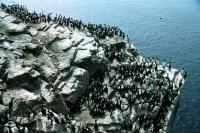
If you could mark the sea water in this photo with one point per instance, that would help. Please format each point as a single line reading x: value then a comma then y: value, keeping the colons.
x: 166, y: 29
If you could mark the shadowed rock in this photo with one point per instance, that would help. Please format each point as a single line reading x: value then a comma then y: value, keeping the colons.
x: 17, y: 74
x: 24, y: 102
x: 56, y: 77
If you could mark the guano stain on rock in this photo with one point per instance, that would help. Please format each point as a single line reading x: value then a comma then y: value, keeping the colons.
x: 62, y: 77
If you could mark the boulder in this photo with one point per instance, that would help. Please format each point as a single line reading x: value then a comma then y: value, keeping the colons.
x: 119, y: 44
x: 12, y: 28
x: 85, y: 57
x: 76, y: 85
x: 49, y: 72
x: 57, y: 104
x: 18, y: 74
x: 66, y: 59
x: 12, y: 25
x: 31, y: 47
x: 112, y: 42
x: 33, y: 32
x: 49, y: 39
x: 61, y: 45
x: 23, y: 102
x: 54, y: 101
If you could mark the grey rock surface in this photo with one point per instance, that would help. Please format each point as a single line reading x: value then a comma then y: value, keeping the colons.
x: 49, y: 70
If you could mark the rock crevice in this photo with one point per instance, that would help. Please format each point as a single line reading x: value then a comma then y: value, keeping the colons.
x: 59, y: 78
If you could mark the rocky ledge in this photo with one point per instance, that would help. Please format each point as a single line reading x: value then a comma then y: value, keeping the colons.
x: 58, y: 79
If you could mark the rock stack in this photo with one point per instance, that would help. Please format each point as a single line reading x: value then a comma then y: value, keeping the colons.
x: 56, y: 78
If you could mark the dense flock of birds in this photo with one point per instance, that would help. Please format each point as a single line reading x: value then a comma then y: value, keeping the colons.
x: 100, y: 31
x: 149, y: 92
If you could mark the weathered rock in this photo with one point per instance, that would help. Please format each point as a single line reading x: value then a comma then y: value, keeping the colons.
x: 2, y: 37
x: 43, y: 126
x: 15, y: 28
x: 6, y: 98
x: 33, y: 32
x: 76, y: 85
x: 31, y: 47
x: 50, y: 66
x: 2, y: 86
x: 7, y: 45
x: 7, y: 18
x: 18, y: 54
x: 11, y: 25
x: 89, y: 53
x: 21, y: 38
x: 3, y: 14
x: 24, y: 101
x: 23, y: 47
x: 66, y: 59
x: 57, y: 104
x: 3, y: 64
x: 85, y: 57
x: 61, y: 45
x: 17, y: 74
x: 49, y: 72
x: 3, y: 110
x: 53, y: 101
x: 24, y: 121
x: 49, y: 39
x: 112, y: 42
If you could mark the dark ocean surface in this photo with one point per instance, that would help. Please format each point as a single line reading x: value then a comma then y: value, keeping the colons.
x: 167, y: 29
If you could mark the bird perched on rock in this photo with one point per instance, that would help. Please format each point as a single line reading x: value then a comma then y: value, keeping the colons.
x: 96, y: 126
x: 11, y: 104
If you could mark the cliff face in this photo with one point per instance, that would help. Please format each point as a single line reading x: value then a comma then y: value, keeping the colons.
x: 56, y: 78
